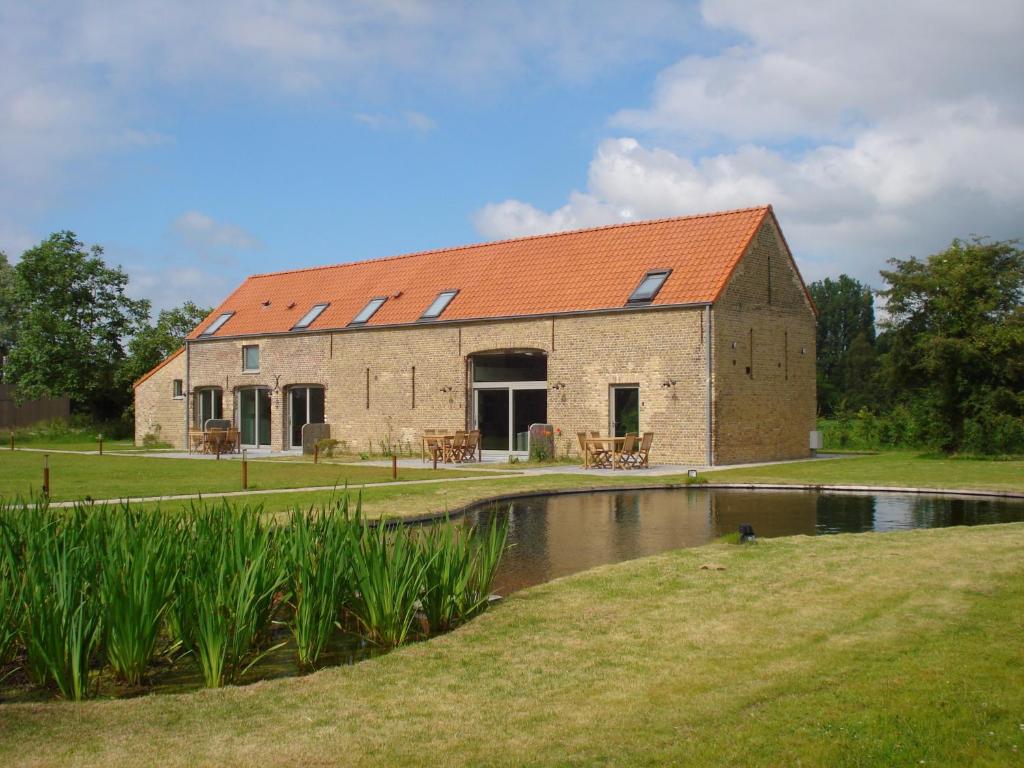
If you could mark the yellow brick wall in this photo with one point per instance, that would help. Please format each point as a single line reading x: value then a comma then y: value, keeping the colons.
x: 157, y: 411
x: 767, y: 413
x: 587, y: 354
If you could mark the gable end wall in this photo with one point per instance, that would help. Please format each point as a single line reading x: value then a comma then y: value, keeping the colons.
x: 768, y: 413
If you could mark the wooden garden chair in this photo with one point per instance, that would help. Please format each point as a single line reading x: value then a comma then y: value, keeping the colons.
x: 644, y: 451
x: 599, y: 457
x: 231, y: 440
x: 627, y: 456
x: 469, y: 448
x: 431, y: 442
x: 196, y: 437
x: 454, y: 449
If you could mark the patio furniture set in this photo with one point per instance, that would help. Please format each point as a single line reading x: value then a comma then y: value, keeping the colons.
x: 215, y: 441
x: 628, y: 452
x: 455, y: 447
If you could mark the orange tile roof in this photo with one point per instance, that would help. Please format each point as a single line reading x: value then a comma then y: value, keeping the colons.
x: 591, y: 269
x: 158, y: 366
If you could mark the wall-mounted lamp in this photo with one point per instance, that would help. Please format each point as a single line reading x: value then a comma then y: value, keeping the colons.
x: 668, y: 383
x: 277, y: 384
x: 557, y: 386
x: 446, y: 390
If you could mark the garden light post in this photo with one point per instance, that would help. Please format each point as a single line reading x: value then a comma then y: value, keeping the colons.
x: 316, y: 453
x: 12, y: 440
x: 100, y: 438
x: 245, y: 468
x: 46, y: 475
x: 394, y: 466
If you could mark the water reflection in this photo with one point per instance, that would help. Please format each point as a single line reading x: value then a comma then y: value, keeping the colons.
x: 559, y: 535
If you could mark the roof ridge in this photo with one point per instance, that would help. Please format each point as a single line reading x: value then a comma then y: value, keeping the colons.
x: 470, y: 246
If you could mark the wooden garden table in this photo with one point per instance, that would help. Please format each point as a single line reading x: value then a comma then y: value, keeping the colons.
x: 601, y: 443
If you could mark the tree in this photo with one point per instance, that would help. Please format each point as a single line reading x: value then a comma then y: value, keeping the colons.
x: 155, y: 342
x: 846, y: 342
x: 956, y: 341
x: 8, y: 319
x: 73, y: 320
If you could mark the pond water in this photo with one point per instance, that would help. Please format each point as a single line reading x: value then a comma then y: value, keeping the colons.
x: 553, y: 536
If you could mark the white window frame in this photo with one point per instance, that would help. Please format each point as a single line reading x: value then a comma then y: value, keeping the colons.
x: 245, y: 362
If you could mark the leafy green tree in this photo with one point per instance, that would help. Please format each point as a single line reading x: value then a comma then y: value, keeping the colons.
x: 8, y: 307
x: 846, y: 342
x: 155, y: 342
x: 956, y: 342
x: 73, y: 321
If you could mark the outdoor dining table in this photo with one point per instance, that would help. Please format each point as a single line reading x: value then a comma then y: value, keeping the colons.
x: 601, y: 443
x: 442, y: 439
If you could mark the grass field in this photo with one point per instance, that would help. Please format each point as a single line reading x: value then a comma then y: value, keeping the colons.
x: 75, y: 476
x: 886, y: 469
x: 854, y: 650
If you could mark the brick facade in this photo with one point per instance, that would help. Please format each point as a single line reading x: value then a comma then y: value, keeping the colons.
x: 157, y: 411
x: 368, y: 373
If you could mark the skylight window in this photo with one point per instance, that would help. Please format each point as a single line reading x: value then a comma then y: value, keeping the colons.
x: 649, y: 286
x: 215, y: 326
x: 309, y: 317
x: 439, y: 305
x: 367, y: 312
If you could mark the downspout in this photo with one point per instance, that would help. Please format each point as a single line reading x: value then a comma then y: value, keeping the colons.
x: 709, y: 453
x: 188, y: 389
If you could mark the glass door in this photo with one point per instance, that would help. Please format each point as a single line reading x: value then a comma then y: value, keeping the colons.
x: 625, y: 410
x: 254, y: 417
x: 492, y: 418
x: 305, y: 406
x: 529, y: 406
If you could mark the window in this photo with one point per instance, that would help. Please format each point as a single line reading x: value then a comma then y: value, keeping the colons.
x: 367, y: 312
x: 251, y: 357
x: 176, y: 388
x: 309, y: 317
x: 439, y: 305
x: 209, y: 405
x: 649, y: 286
x: 215, y: 326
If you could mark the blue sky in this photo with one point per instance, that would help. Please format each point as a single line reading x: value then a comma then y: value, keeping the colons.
x: 198, y: 146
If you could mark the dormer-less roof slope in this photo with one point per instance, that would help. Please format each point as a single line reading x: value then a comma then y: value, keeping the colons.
x: 585, y: 270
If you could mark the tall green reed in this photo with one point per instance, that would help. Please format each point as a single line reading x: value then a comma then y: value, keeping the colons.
x: 387, y: 571
x: 318, y: 544
x: 63, y: 615
x: 141, y: 562
x: 12, y: 582
x: 489, y: 548
x: 230, y: 589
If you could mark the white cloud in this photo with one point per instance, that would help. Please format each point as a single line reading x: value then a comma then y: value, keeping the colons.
x: 875, y: 132
x: 208, y: 236
x: 414, y: 121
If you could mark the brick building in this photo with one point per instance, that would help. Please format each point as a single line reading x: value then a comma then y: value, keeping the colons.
x: 699, y: 329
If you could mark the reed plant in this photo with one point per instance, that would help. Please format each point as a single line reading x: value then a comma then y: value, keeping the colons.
x: 447, y: 552
x: 387, y: 573
x: 141, y: 564
x: 12, y: 581
x: 230, y: 589
x: 319, y: 544
x: 63, y: 615
x: 487, y: 553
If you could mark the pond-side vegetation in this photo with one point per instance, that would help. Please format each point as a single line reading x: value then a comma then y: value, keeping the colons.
x: 106, y: 598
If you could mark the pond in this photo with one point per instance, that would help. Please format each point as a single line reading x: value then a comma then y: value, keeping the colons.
x: 553, y: 536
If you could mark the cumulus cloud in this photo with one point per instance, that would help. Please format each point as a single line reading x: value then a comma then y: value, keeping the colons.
x: 875, y: 132
x: 212, y: 238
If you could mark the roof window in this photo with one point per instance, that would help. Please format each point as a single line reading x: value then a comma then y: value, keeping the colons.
x: 309, y: 317
x: 649, y: 286
x: 216, y: 325
x: 368, y: 311
x: 439, y: 305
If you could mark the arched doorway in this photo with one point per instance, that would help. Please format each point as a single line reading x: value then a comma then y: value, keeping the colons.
x: 510, y: 392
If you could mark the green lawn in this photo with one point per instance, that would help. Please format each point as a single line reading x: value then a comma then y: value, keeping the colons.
x: 892, y: 469
x: 854, y: 650
x: 75, y: 476
x: 909, y: 469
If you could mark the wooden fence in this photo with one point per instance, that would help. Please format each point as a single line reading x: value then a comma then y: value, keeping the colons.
x: 31, y: 411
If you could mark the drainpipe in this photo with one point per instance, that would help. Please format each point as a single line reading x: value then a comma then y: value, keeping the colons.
x: 188, y: 388
x: 710, y: 457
